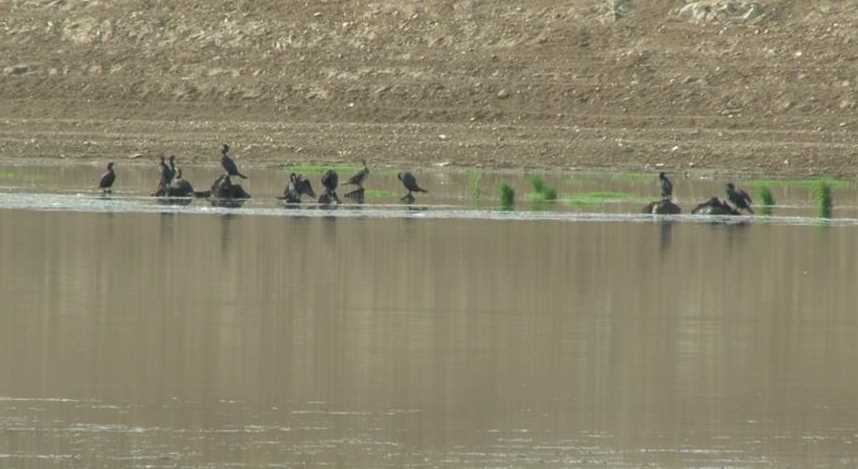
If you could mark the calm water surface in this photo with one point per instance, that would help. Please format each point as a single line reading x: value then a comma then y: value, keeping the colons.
x: 196, y: 340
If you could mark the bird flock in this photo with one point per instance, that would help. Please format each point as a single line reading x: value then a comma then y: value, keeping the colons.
x: 737, y: 200
x: 171, y: 184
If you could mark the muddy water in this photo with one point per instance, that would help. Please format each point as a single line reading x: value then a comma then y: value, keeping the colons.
x: 132, y: 339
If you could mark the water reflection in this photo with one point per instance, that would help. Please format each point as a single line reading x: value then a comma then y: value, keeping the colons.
x: 412, y: 342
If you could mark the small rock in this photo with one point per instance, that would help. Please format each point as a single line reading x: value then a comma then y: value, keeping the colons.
x: 20, y: 69
x: 675, y: 148
x: 443, y: 137
x: 503, y: 94
x: 442, y: 164
x: 317, y: 14
x: 659, y: 165
x: 135, y: 156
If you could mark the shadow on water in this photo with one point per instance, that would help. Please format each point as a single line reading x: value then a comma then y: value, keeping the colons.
x: 228, y: 225
x: 665, y: 235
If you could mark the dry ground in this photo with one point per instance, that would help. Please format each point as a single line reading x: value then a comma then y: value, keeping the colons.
x: 544, y: 84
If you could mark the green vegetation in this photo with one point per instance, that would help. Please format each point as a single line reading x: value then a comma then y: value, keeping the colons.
x: 800, y: 183
x: 822, y: 193
x: 375, y: 194
x: 308, y: 168
x: 507, y: 196
x: 542, y: 192
x: 599, y: 198
x: 764, y: 194
x: 474, y: 179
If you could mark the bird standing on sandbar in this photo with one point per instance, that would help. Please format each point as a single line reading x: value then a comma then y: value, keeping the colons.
x: 359, y: 177
x: 666, y: 186
x: 228, y: 163
x: 107, y: 179
x: 410, y: 183
x: 330, y: 180
x: 740, y: 198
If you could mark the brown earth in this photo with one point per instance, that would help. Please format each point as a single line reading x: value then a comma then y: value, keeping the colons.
x: 764, y: 87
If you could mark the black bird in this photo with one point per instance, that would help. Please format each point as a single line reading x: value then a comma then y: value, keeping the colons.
x: 330, y: 180
x: 740, y: 198
x: 359, y: 178
x: 410, y: 183
x: 180, y: 187
x: 107, y: 179
x: 166, y: 177
x: 173, y: 164
x: 228, y: 163
x: 298, y: 186
x: 666, y: 186
x: 357, y: 195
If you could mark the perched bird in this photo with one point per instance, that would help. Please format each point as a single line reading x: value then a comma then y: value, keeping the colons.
x: 228, y: 163
x: 107, y: 179
x: 666, y: 186
x: 166, y: 176
x: 330, y: 180
x: 714, y: 206
x: 740, y: 198
x: 357, y: 195
x: 410, y: 183
x: 298, y: 186
x: 180, y: 187
x: 359, y: 178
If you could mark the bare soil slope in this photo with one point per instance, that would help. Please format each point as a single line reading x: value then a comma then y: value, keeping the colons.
x: 735, y: 85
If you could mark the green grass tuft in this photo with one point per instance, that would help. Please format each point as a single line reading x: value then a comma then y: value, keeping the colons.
x: 474, y: 180
x: 542, y: 192
x: 376, y: 194
x: 764, y: 194
x: 823, y: 194
x: 599, y: 198
x: 800, y: 183
x: 507, y: 196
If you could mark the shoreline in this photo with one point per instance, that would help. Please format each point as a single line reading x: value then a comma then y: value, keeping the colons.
x: 572, y: 144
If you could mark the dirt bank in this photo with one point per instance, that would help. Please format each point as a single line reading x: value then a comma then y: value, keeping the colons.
x: 728, y: 85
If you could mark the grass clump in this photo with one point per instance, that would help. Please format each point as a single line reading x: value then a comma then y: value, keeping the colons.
x: 823, y: 194
x: 507, y: 196
x: 764, y: 194
x: 474, y: 180
x: 810, y: 183
x: 541, y: 191
x: 377, y: 194
x: 599, y: 198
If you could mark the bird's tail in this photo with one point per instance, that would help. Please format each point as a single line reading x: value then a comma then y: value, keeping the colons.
x: 420, y: 189
x: 241, y: 175
x: 750, y: 210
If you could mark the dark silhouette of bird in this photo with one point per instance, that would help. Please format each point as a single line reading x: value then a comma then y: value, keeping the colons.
x: 173, y: 164
x: 666, y: 186
x: 180, y: 187
x: 359, y: 178
x: 740, y: 198
x: 228, y: 163
x: 410, y: 183
x: 357, y: 195
x: 166, y: 177
x: 298, y: 186
x: 714, y: 206
x: 330, y: 180
x: 107, y: 179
